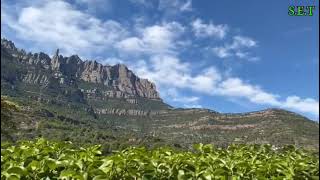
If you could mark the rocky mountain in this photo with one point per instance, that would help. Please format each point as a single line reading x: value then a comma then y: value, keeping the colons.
x: 87, y: 102
x: 68, y: 70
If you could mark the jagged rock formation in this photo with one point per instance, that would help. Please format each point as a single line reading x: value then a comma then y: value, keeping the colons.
x: 66, y: 70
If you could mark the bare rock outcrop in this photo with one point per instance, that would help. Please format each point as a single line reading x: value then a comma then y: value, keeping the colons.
x: 118, y: 78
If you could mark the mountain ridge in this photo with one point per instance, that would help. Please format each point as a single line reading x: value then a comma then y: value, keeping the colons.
x: 85, y: 101
x: 58, y: 59
x: 66, y: 68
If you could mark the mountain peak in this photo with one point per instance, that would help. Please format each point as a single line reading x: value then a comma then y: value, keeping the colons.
x: 56, y: 53
x: 65, y: 69
x: 8, y: 44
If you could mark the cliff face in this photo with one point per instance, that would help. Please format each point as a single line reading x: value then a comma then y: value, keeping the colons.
x: 41, y: 69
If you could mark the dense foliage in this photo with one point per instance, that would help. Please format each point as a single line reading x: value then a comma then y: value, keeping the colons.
x: 44, y: 159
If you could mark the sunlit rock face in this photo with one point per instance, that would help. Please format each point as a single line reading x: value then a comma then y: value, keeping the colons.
x: 42, y: 69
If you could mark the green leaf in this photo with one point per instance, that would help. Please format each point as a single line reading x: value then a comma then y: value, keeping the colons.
x: 219, y: 171
x: 13, y: 177
x: 51, y: 163
x: 180, y: 174
x: 68, y: 173
x: 17, y: 170
x: 100, y: 177
x: 33, y: 165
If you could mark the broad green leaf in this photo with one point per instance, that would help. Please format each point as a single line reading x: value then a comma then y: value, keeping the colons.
x: 17, y: 170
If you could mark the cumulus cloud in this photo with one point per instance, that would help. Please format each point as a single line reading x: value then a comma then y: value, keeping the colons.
x: 307, y: 105
x: 176, y: 96
x: 153, y: 39
x: 203, y: 30
x: 238, y: 48
x: 169, y: 71
x: 173, y: 95
x: 221, y: 52
x: 235, y: 87
x: 58, y: 24
x: 241, y: 42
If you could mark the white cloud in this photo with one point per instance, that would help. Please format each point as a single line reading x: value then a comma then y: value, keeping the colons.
x: 111, y: 61
x: 247, y: 56
x: 132, y: 44
x: 186, y: 99
x: 153, y: 39
x: 174, y: 95
x: 57, y: 23
x: 187, y: 6
x: 161, y: 37
x: 221, y: 52
x: 164, y: 70
x: 235, y: 87
x: 174, y: 6
x: 206, y: 81
x: 241, y: 42
x: 170, y: 72
x: 307, y: 105
x: 238, y: 48
x: 203, y: 30
x: 192, y: 106
x: 242, y: 54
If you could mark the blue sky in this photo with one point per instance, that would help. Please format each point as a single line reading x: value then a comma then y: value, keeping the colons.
x: 228, y: 56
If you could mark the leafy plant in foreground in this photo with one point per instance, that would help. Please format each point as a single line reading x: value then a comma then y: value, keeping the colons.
x: 42, y: 159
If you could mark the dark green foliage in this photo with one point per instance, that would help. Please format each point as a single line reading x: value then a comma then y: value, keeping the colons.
x: 8, y: 125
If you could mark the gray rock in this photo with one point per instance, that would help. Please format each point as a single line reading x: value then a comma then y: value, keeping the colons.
x: 67, y: 70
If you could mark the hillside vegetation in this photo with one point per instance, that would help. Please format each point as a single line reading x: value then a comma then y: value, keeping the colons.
x: 176, y: 128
